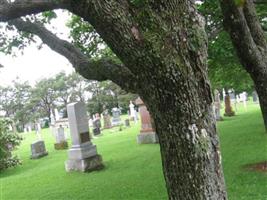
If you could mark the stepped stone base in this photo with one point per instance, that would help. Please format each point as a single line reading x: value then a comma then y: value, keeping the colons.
x: 61, y: 145
x: 39, y: 155
x: 147, y: 138
x: 85, y: 165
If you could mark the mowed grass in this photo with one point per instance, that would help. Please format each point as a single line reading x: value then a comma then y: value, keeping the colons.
x: 134, y: 171
x: 243, y: 141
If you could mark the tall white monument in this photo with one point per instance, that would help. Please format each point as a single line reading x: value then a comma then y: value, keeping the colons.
x: 82, y: 156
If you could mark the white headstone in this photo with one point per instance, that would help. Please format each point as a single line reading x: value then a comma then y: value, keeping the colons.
x: 57, y: 117
x: 60, y: 135
x: 243, y: 97
x: 38, y: 130
x: 133, y: 113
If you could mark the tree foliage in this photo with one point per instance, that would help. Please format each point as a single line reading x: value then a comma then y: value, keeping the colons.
x: 225, y: 70
x: 8, y: 142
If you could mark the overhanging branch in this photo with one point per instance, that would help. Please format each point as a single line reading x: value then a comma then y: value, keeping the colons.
x: 100, y: 70
x: 20, y: 8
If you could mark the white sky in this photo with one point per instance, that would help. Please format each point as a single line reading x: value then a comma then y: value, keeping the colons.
x: 35, y: 64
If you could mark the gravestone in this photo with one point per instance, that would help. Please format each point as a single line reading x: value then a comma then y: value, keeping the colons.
x: 82, y: 156
x: 53, y: 120
x: 255, y: 97
x: 38, y: 149
x: 132, y: 111
x: 147, y: 132
x: 243, y: 97
x: 127, y: 122
x: 61, y: 142
x: 29, y: 128
x: 116, y: 120
x: 96, y: 125
x: 107, y: 121
x: 38, y: 130
x: 90, y: 121
x: 217, y: 104
x: 57, y: 117
x: 228, y: 108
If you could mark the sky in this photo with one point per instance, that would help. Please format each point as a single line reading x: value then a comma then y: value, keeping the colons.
x: 36, y: 64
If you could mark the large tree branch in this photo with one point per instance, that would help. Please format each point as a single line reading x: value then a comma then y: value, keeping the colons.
x: 254, y: 24
x: 244, y: 35
x: 104, y: 69
x: 20, y: 8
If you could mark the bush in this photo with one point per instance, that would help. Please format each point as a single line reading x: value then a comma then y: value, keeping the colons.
x: 8, y: 142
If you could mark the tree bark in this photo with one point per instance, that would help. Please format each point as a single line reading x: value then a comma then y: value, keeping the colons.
x: 248, y: 38
x: 163, y: 45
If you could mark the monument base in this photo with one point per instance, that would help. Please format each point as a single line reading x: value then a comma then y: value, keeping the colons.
x: 39, y: 155
x: 61, y: 145
x: 147, y: 138
x: 229, y: 114
x: 85, y: 165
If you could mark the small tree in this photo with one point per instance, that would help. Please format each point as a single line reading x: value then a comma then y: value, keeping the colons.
x: 8, y: 142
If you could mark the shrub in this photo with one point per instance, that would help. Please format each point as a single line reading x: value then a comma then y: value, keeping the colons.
x: 8, y: 142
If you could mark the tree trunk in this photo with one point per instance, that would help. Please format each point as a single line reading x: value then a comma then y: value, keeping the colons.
x: 261, y: 88
x: 166, y: 50
x: 163, y: 43
x: 249, y: 40
x: 189, y: 145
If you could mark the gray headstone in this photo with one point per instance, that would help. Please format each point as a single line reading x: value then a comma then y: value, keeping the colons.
x: 60, y: 135
x: 217, y: 104
x: 96, y: 126
x: 116, y: 120
x: 38, y: 149
x: 82, y: 156
x: 127, y: 122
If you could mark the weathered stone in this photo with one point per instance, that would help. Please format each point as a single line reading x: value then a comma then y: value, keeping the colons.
x: 127, y: 122
x: 147, y: 132
x: 228, y: 108
x: 116, y: 120
x: 133, y: 114
x: 38, y: 149
x: 61, y: 142
x: 61, y: 145
x: 83, y: 154
x: 217, y: 104
x: 107, y: 121
x: 96, y: 125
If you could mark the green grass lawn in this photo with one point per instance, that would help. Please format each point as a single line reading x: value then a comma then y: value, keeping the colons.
x: 134, y: 171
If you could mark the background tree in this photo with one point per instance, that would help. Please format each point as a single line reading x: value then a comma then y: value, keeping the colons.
x: 249, y: 22
x: 13, y: 101
x: 248, y: 38
x: 21, y: 101
x: 44, y: 97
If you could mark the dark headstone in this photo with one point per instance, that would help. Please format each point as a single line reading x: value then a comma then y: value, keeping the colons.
x: 127, y: 122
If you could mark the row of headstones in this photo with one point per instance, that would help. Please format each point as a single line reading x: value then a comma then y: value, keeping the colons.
x: 228, y: 99
x: 83, y: 156
x: 116, y: 120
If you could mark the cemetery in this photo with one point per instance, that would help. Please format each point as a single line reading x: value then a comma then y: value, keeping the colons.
x: 134, y: 100
x: 131, y: 170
